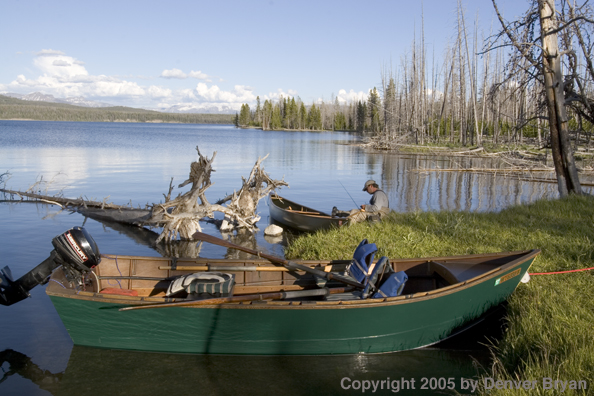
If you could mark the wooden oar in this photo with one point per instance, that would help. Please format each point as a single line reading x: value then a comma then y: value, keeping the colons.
x: 247, y: 297
x: 277, y: 260
x: 223, y: 268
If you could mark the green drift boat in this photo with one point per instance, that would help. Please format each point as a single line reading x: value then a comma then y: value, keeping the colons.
x: 441, y: 296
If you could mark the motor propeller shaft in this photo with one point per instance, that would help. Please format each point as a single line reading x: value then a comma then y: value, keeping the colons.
x: 74, y: 249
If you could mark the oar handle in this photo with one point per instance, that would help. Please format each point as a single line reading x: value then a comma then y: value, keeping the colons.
x: 323, y: 274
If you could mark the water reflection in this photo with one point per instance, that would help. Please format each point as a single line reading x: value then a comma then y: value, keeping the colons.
x: 148, y: 237
x: 432, y: 183
x: 92, y: 371
x: 17, y: 363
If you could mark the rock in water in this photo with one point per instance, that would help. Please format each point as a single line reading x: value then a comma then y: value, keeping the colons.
x: 273, y: 230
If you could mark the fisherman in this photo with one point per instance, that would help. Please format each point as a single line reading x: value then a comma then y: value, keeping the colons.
x: 379, y: 199
x: 377, y: 208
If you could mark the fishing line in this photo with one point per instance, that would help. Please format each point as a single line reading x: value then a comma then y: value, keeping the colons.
x: 347, y: 192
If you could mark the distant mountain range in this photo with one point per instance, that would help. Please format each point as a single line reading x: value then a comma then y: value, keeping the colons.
x: 40, y: 97
x: 199, y: 108
x: 81, y: 101
x: 38, y: 108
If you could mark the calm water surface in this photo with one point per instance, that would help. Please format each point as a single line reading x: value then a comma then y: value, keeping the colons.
x: 135, y: 163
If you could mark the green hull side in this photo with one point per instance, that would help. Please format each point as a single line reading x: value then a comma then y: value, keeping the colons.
x: 283, y: 330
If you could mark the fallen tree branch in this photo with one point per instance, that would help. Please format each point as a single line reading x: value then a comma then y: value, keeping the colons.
x: 65, y: 202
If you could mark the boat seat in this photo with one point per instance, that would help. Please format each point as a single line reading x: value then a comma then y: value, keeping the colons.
x: 442, y: 271
x: 392, y: 286
x: 203, y: 284
x: 378, y: 272
x: 384, y: 282
x: 362, y: 260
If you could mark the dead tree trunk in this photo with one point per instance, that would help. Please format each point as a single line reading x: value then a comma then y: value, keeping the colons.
x: 549, y: 67
x: 567, y: 176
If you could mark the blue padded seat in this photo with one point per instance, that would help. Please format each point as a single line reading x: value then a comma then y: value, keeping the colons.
x: 362, y: 259
x: 392, y: 286
x: 383, y: 281
x: 376, y: 276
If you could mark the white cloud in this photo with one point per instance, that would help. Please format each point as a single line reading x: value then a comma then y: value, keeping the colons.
x: 122, y: 88
x: 64, y: 76
x: 199, y: 107
x: 434, y: 95
x: 159, y: 92
x: 351, y: 96
x: 60, y: 63
x: 176, y: 73
x: 279, y: 92
x: 240, y: 94
x: 199, y: 75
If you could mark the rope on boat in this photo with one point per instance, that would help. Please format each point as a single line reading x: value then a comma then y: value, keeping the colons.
x: 117, y: 267
x: 561, y: 272
x: 59, y: 283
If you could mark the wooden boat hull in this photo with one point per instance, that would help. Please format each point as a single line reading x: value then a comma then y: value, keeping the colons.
x: 299, y: 217
x: 295, y: 327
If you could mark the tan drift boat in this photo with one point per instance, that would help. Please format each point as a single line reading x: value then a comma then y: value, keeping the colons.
x: 275, y: 310
x: 299, y: 217
x: 268, y: 305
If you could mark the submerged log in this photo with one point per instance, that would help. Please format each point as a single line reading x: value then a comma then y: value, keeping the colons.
x: 62, y: 201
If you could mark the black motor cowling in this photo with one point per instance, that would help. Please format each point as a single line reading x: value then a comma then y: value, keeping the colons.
x: 75, y: 250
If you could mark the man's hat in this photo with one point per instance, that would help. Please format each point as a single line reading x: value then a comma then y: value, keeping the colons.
x: 368, y: 183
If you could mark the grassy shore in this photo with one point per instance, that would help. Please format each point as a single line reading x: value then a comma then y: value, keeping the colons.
x: 550, y: 332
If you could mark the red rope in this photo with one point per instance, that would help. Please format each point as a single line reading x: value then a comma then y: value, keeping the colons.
x: 561, y: 272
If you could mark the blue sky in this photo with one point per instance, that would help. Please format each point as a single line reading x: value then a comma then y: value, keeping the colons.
x: 196, y: 54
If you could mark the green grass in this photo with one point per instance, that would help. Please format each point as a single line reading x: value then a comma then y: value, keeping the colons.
x: 550, y: 332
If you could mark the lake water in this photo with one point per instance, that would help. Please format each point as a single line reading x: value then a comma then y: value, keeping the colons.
x: 135, y: 163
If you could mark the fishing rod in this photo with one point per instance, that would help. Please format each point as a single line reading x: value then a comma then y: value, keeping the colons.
x: 347, y: 191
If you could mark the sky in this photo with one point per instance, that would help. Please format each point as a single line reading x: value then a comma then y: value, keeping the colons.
x: 198, y: 54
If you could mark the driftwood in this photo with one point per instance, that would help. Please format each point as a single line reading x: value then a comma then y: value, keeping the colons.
x: 178, y: 217
x: 181, y: 216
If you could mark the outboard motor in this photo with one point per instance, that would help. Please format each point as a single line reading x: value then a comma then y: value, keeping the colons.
x: 75, y: 250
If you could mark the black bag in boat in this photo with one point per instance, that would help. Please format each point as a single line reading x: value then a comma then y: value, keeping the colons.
x: 203, y: 284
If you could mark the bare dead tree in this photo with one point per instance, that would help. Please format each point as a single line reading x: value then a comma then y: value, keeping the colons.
x: 472, y: 73
x: 541, y: 59
x: 581, y: 69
